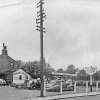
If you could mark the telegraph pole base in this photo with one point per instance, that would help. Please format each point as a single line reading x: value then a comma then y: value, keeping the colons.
x: 90, y: 88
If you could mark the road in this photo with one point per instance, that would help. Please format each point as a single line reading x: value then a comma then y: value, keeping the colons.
x: 11, y: 93
x: 97, y: 97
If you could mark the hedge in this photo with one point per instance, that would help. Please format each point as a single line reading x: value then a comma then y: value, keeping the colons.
x: 83, y: 83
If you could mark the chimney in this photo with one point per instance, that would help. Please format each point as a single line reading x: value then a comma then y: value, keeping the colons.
x: 4, y: 50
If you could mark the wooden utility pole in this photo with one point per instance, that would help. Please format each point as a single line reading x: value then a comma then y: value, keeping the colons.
x: 39, y: 21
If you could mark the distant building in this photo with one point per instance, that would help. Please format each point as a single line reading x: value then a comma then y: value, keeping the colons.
x: 7, y: 65
x: 20, y: 76
x: 63, y: 74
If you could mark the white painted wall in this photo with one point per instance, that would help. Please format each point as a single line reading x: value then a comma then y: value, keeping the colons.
x: 22, y: 74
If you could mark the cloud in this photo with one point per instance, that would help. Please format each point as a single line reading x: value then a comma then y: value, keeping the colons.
x: 72, y: 32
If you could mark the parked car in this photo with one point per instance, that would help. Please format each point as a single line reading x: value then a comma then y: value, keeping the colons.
x: 66, y: 86
x: 2, y: 82
x: 31, y: 84
x: 19, y: 86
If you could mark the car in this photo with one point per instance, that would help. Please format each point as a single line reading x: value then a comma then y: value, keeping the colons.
x: 34, y: 84
x: 2, y: 82
x: 51, y: 83
x: 19, y: 86
x: 31, y: 84
x: 66, y: 86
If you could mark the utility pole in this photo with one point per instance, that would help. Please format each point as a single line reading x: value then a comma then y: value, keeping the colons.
x: 39, y: 21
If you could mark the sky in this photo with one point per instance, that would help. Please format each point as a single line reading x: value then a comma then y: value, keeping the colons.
x: 72, y: 31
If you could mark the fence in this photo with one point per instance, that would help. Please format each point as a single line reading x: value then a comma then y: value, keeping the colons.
x: 79, y: 87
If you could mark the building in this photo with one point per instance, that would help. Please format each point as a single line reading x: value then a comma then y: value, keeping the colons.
x: 65, y: 76
x: 20, y: 76
x: 7, y: 65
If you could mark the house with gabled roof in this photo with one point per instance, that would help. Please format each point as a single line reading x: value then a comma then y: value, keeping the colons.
x: 20, y: 76
x: 7, y: 65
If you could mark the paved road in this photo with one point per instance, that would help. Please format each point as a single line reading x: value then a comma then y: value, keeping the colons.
x: 97, y: 97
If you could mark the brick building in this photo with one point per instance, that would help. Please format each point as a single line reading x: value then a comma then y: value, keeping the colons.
x: 7, y: 65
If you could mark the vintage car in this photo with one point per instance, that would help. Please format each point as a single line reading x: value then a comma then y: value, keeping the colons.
x: 66, y: 86
x: 3, y: 82
x: 31, y: 84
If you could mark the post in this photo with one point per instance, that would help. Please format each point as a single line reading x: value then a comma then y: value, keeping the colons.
x: 97, y: 86
x: 44, y: 88
x: 41, y: 46
x: 39, y: 21
x: 86, y: 86
x: 75, y: 87
x: 11, y: 73
x: 61, y: 88
x: 90, y: 82
x: 11, y: 80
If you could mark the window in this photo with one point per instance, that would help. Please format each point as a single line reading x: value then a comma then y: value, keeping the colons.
x: 12, y: 65
x: 20, y: 77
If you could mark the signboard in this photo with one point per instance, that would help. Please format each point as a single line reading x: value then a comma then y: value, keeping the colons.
x: 91, y: 70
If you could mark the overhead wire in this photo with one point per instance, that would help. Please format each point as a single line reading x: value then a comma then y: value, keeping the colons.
x: 16, y: 4
x: 13, y: 4
x: 26, y: 36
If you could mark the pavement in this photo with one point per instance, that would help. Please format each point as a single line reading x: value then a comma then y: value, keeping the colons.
x: 65, y: 96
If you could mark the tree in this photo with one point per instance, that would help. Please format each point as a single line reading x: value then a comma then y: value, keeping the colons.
x: 60, y: 70
x: 71, y: 69
x: 96, y: 76
x: 48, y: 72
x: 20, y: 64
x: 34, y: 68
x: 81, y: 75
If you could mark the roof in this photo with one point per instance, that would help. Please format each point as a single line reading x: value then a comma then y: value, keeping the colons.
x: 5, y: 63
x: 21, y: 72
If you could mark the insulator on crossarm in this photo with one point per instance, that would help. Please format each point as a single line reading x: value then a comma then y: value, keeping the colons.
x: 40, y: 2
x: 38, y: 30
x: 44, y: 31
x: 43, y: 13
x: 38, y: 6
x: 43, y: 28
x: 38, y: 12
x: 37, y: 22
x: 44, y: 16
x: 38, y: 19
x: 42, y: 10
x: 38, y: 26
x: 38, y: 15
